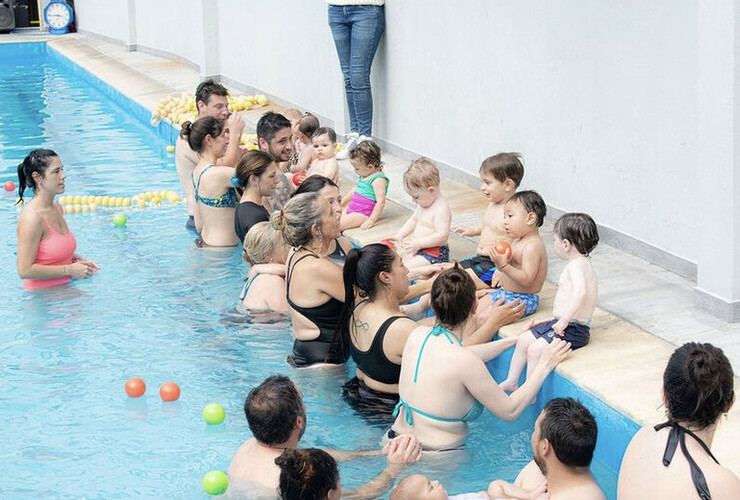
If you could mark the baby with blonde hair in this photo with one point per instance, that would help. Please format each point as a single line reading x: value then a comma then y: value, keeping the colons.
x: 264, y: 246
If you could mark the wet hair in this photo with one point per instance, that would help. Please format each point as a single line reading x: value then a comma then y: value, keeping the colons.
x: 421, y: 174
x: 453, y: 296
x: 260, y: 243
x: 294, y: 221
x: 272, y: 408
x: 314, y: 184
x: 307, y: 474
x: 698, y: 384
x: 504, y: 166
x: 37, y: 161
x: 270, y: 124
x: 571, y: 430
x: 532, y: 202
x: 195, y: 133
x: 361, y: 269
x: 208, y: 88
x: 368, y: 153
x: 308, y: 124
x: 253, y: 163
x: 325, y: 130
x: 580, y: 229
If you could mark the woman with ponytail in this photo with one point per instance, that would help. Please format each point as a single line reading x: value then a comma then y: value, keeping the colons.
x: 673, y: 460
x: 314, y: 290
x: 46, y: 246
x: 444, y: 385
x: 375, y: 284
x: 213, y: 188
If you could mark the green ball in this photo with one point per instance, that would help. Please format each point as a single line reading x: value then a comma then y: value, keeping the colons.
x: 215, y: 482
x: 119, y: 220
x: 214, y: 414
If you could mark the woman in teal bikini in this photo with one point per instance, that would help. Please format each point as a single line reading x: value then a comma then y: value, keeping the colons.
x: 444, y: 385
x: 215, y: 197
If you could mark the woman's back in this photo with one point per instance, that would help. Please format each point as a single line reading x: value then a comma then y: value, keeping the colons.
x: 643, y: 474
x: 216, y: 205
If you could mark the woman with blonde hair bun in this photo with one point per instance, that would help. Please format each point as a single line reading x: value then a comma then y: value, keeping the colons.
x: 314, y: 287
x: 264, y: 245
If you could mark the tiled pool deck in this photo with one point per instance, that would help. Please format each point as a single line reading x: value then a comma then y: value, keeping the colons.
x: 646, y: 311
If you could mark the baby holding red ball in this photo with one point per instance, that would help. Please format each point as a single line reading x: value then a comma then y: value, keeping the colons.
x: 575, y: 236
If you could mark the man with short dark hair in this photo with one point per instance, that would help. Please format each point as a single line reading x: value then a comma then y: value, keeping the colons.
x: 274, y: 133
x: 277, y: 418
x: 563, y: 444
x: 210, y: 100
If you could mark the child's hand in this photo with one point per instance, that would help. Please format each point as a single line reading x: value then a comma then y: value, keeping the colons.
x: 411, y: 247
x: 366, y: 225
x: 559, y: 327
x: 501, y: 260
x: 463, y: 231
x: 496, y: 279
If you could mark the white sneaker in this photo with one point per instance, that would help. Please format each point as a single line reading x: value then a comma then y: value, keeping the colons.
x: 363, y: 138
x: 353, y: 140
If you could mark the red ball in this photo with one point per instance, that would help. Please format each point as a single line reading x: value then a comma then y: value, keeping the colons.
x: 299, y: 177
x: 135, y: 387
x: 9, y: 186
x: 169, y: 391
x: 502, y: 248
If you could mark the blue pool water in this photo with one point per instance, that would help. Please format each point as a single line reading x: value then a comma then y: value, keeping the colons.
x: 163, y: 310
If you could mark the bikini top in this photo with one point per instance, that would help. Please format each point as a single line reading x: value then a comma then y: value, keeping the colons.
x: 325, y: 316
x: 676, y: 436
x: 373, y: 362
x: 245, y: 289
x: 227, y: 200
x: 474, y: 412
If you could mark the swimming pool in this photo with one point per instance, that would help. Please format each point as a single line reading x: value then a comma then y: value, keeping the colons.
x: 162, y: 310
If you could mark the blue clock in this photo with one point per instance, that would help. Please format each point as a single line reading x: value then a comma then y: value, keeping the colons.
x: 58, y: 15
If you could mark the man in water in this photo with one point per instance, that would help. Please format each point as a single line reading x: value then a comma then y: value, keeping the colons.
x: 277, y: 418
x: 210, y: 99
x: 274, y: 133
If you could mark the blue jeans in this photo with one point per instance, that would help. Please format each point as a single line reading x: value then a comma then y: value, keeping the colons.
x: 356, y: 30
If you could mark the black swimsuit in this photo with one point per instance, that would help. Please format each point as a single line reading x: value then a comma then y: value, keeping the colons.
x: 374, y: 362
x: 676, y: 436
x: 331, y: 346
x: 338, y: 256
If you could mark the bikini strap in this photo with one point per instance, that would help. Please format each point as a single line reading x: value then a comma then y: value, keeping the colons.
x: 196, y: 186
x: 44, y: 221
x: 436, y: 331
x: 677, y: 436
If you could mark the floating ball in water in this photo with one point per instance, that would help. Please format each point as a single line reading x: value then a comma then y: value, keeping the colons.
x: 170, y: 149
x: 9, y: 186
x: 215, y: 482
x: 119, y: 220
x: 169, y: 391
x: 214, y: 414
x: 135, y: 387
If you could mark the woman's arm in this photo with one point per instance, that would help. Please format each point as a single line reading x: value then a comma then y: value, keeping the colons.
x: 379, y: 185
x: 479, y: 382
x: 235, y: 124
x: 418, y: 310
x: 501, y: 314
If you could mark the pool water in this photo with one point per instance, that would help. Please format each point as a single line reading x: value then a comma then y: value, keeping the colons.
x: 159, y: 309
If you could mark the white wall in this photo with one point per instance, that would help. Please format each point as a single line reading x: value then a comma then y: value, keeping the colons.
x: 601, y: 97
x: 107, y: 18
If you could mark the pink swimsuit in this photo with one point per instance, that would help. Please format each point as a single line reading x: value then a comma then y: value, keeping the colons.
x: 56, y: 249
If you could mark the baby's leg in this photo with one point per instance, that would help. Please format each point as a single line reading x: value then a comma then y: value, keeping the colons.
x: 351, y: 220
x: 518, y: 360
x: 533, y: 354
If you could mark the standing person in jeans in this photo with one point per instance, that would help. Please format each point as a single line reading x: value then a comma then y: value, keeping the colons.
x: 356, y: 26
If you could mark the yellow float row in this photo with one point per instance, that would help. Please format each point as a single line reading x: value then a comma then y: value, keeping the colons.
x: 182, y: 108
x: 90, y: 203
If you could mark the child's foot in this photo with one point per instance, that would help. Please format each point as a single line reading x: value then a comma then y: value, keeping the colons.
x: 509, y: 385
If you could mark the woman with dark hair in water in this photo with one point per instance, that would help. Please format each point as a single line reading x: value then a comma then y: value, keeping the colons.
x: 673, y: 460
x: 46, y: 246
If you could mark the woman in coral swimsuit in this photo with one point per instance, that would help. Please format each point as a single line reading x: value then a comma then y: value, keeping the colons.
x: 46, y: 246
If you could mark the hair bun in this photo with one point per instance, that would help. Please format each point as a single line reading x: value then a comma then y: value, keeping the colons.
x: 277, y: 220
x: 702, y: 366
x: 185, y: 129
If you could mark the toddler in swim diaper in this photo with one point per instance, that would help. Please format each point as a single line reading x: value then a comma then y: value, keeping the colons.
x: 324, y: 140
x: 575, y: 236
x: 429, y: 226
x: 367, y: 199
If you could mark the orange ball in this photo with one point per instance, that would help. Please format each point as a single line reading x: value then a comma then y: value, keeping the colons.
x: 502, y: 248
x: 169, y: 391
x: 135, y: 387
x: 299, y: 177
x: 389, y: 243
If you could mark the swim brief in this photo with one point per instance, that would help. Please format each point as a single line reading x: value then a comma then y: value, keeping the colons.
x: 482, y: 266
x: 576, y: 333
x: 436, y: 255
x: 530, y: 300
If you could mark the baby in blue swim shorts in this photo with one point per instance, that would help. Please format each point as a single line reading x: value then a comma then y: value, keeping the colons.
x: 522, y: 270
x: 575, y: 236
